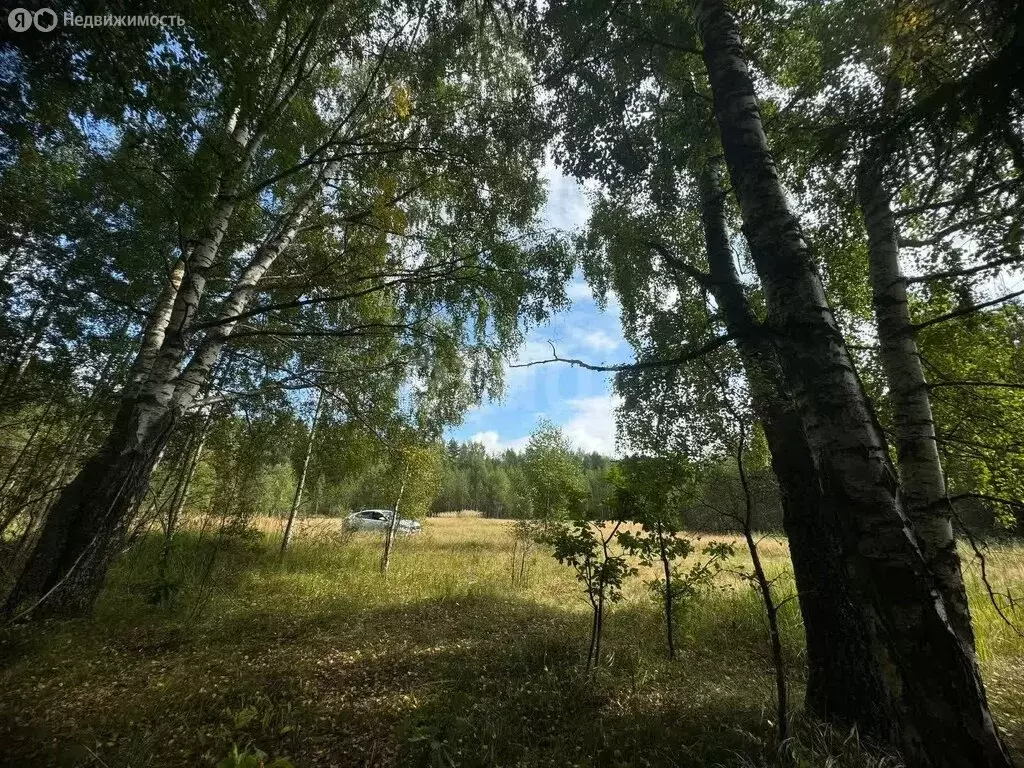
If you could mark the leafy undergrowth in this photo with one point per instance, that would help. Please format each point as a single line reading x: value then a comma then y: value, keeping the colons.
x: 321, y: 662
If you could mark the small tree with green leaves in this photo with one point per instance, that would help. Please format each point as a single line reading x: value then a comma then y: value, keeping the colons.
x: 556, y: 480
x: 647, y: 491
x: 419, y: 467
x: 583, y: 545
x: 524, y: 534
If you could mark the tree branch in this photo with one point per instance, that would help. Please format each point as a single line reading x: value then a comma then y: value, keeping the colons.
x: 963, y: 272
x: 966, y: 310
x: 681, y: 265
x: 687, y: 356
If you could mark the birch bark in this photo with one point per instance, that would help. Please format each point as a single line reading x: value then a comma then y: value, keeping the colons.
x: 922, y: 481
x: 843, y: 683
x: 297, y: 499
x: 156, y: 327
x: 392, y: 531
x: 84, y: 528
x: 943, y: 717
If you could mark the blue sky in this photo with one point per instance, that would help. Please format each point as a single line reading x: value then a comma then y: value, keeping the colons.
x: 579, y: 401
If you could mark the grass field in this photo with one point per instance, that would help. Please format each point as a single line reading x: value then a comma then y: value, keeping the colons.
x: 323, y: 662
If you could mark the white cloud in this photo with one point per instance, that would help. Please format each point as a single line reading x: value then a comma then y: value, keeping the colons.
x: 590, y: 429
x: 566, y: 207
x: 593, y: 426
x: 597, y: 340
x: 495, y: 446
x: 533, y: 349
x: 579, y: 291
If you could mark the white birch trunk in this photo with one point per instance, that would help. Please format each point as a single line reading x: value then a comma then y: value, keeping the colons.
x: 156, y: 327
x: 157, y: 390
x: 843, y: 682
x: 297, y: 499
x: 197, y: 372
x: 942, y: 717
x: 392, y: 532
x: 922, y: 482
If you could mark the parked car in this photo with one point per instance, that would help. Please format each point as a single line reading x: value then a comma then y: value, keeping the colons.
x: 379, y: 520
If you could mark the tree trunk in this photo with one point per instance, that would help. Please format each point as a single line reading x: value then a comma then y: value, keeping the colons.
x: 593, y: 629
x: 943, y: 717
x: 86, y: 524
x: 181, y: 494
x: 666, y: 566
x: 156, y: 327
x: 843, y: 683
x: 921, y: 479
x: 297, y: 499
x: 764, y: 587
x: 389, y: 536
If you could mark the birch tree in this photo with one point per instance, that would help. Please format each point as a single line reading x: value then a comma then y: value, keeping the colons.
x: 878, y: 540
x: 300, y: 484
x: 337, y: 183
x: 663, y: 237
x: 873, y: 536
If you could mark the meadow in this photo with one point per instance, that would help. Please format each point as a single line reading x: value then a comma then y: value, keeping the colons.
x: 321, y: 661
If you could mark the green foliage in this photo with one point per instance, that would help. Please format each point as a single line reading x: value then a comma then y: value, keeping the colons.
x: 636, y: 115
x: 650, y: 545
x: 581, y: 545
x: 651, y: 491
x: 422, y: 264
x: 417, y: 268
x: 419, y: 466
x: 556, y: 482
x: 492, y: 485
x: 525, y: 534
x: 699, y: 579
x: 584, y: 546
x: 498, y: 486
x: 657, y: 543
x: 251, y: 757
x: 979, y: 411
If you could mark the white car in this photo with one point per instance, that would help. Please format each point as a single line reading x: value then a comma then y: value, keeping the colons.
x: 379, y: 520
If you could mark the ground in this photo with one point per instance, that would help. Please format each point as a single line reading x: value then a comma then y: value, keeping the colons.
x: 320, y: 661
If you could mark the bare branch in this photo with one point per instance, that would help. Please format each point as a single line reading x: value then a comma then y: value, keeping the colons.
x: 688, y: 356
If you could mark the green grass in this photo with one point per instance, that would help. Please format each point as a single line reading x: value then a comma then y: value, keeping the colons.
x: 443, y: 664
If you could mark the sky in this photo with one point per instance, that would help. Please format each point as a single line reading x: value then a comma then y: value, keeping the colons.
x: 579, y: 401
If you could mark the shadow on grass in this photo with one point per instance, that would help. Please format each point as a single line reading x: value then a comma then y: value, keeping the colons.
x: 459, y: 681
x: 321, y: 661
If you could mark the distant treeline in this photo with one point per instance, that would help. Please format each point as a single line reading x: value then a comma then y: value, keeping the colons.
x: 496, y: 486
